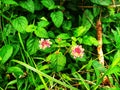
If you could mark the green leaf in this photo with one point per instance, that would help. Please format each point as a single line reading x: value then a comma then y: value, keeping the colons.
x: 30, y: 28
x: 67, y: 25
x: 43, y: 23
x: 9, y: 2
x: 63, y: 36
x: 38, y: 5
x: 102, y: 2
x: 79, y: 31
x: 5, y: 53
x: 66, y: 77
x: 48, y: 50
x: 48, y: 3
x: 39, y: 87
x: 115, y: 69
x: 116, y: 59
x: 106, y: 41
x: 61, y: 43
x: 28, y: 5
x: 16, y: 70
x: 96, y: 11
x: 32, y: 45
x: 7, y: 31
x: 98, y: 66
x: 20, y: 24
x: 57, y: 61
x: 89, y: 40
x: 16, y: 48
x: 11, y: 83
x: 41, y: 32
x: 57, y: 18
x: 51, y: 34
x: 116, y: 38
x: 87, y: 20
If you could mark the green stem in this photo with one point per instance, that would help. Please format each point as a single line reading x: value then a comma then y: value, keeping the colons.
x: 46, y: 88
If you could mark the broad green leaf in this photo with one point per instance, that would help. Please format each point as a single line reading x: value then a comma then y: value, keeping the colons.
x: 16, y: 70
x: 61, y: 43
x: 30, y: 28
x: 48, y: 3
x: 111, y: 11
x: 9, y: 2
x: 80, y: 59
x: 41, y: 32
x: 43, y: 23
x: 7, y: 30
x: 106, y: 41
x: 20, y: 24
x: 87, y: 19
x: 116, y: 38
x: 32, y: 45
x: 38, y: 5
x: 98, y: 66
x: 57, y: 18
x: 107, y: 20
x: 28, y: 5
x: 89, y: 40
x: 102, y: 2
x: 51, y: 34
x: 116, y: 16
x: 67, y: 25
x: 96, y: 11
x: 57, y: 61
x: 48, y: 50
x: 63, y: 36
x: 79, y: 39
x: 16, y: 48
x: 79, y: 31
x: 5, y: 53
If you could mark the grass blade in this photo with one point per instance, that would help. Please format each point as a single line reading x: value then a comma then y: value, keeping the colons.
x: 45, y: 75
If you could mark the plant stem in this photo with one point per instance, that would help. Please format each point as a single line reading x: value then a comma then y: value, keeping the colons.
x: 99, y: 37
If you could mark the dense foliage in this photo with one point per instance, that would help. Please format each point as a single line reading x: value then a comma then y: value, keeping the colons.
x: 52, y: 45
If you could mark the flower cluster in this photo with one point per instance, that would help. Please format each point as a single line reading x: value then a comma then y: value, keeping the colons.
x: 43, y: 44
x: 77, y: 51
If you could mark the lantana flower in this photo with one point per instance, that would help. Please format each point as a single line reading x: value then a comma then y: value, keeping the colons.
x: 77, y: 51
x: 43, y: 44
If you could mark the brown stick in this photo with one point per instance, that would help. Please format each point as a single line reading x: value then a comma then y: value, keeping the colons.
x: 99, y: 37
x: 99, y: 50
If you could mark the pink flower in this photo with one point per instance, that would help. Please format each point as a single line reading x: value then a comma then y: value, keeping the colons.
x: 77, y: 51
x: 43, y: 44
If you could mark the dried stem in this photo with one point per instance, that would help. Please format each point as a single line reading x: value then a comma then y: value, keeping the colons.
x: 99, y: 37
x: 100, y: 51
